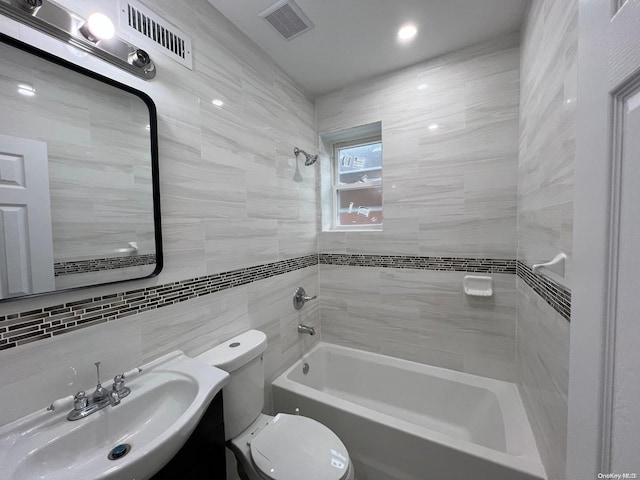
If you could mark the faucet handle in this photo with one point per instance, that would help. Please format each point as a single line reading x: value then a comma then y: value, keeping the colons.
x: 119, y: 388
x: 118, y: 383
x: 80, y: 401
x: 300, y: 297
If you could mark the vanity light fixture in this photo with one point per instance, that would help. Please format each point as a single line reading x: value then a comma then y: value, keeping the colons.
x: 80, y: 34
x: 30, y: 6
x: 98, y: 27
x: 407, y: 33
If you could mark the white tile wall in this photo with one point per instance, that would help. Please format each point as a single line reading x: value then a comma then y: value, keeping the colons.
x: 421, y: 315
x: 545, y: 215
x: 228, y: 201
x: 448, y: 192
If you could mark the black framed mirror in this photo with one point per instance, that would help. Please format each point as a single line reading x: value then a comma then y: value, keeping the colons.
x: 79, y: 184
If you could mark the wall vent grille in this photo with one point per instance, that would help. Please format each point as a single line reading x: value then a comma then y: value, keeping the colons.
x: 154, y: 31
x: 287, y: 18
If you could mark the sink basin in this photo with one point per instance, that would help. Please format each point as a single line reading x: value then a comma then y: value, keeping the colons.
x: 165, y: 405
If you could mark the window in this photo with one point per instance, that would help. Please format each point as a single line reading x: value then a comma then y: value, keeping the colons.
x: 357, y: 184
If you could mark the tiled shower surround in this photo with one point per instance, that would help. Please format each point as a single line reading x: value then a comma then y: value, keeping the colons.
x: 450, y: 191
x: 240, y: 235
x: 545, y: 217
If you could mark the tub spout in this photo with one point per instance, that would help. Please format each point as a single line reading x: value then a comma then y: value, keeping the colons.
x: 305, y: 329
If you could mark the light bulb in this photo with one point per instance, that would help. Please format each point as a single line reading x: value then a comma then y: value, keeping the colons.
x: 98, y: 27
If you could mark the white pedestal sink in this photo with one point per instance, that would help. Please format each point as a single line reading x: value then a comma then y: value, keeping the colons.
x: 166, y: 403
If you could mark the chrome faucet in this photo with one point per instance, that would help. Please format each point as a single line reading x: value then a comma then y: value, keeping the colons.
x: 305, y: 329
x: 100, y: 393
x: 84, y: 406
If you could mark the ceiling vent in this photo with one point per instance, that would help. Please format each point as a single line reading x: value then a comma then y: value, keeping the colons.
x: 287, y: 18
x: 153, y: 31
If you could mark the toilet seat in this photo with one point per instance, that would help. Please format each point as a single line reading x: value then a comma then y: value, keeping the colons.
x: 292, y: 447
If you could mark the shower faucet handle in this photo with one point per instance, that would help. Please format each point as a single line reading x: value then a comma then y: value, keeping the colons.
x: 300, y: 298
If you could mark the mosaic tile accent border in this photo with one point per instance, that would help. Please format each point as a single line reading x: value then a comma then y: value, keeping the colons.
x: 556, y: 295
x: 99, y: 264
x: 446, y: 264
x: 25, y: 327
x: 39, y: 324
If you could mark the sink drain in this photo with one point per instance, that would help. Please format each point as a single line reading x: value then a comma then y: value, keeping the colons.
x: 119, y: 451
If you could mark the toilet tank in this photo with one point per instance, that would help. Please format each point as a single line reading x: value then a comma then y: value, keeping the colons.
x: 243, y: 396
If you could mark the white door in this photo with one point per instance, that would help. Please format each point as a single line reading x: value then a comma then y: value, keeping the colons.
x: 604, y: 377
x: 26, y: 245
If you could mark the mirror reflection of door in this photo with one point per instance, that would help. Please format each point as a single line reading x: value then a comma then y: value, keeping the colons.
x: 26, y: 245
x: 101, y: 154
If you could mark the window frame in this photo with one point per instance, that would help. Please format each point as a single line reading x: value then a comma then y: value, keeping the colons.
x: 336, y: 187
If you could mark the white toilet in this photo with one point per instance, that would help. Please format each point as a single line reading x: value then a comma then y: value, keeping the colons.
x: 284, y: 447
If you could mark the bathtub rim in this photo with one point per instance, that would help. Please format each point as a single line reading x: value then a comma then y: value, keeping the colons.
x: 529, y: 462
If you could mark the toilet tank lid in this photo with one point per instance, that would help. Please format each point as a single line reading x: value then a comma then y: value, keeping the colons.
x: 236, y: 352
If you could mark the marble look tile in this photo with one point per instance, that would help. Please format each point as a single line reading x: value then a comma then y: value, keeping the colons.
x: 450, y: 190
x: 208, y: 321
x: 270, y: 309
x: 545, y: 216
x: 271, y: 198
x: 296, y: 238
x: 197, y: 189
x: 547, y: 132
x: 236, y: 243
x: 543, y: 376
x: 346, y: 283
x: 38, y: 373
x: 441, y: 183
x: 421, y: 316
x: 397, y: 238
x: 183, y: 247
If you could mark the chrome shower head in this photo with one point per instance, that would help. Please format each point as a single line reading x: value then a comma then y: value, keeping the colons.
x: 309, y: 159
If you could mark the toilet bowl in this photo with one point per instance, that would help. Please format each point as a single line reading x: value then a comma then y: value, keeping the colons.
x: 283, y: 447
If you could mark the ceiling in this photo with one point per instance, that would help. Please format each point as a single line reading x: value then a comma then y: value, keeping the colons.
x: 356, y: 39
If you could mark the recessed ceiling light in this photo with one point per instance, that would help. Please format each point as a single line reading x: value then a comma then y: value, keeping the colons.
x: 217, y: 102
x: 407, y: 32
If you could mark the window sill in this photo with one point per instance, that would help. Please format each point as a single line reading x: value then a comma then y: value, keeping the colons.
x: 377, y: 228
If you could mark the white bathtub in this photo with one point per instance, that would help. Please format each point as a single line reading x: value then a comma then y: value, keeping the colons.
x: 405, y: 420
